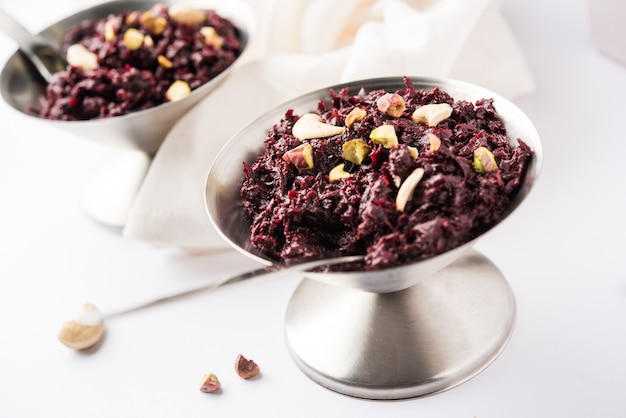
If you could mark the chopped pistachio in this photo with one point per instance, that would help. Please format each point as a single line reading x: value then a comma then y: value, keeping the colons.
x: 177, y: 90
x: 391, y: 104
x: 385, y: 135
x: 484, y: 161
x: 211, y: 37
x: 164, y: 62
x: 133, y: 39
x: 356, y: 115
x: 337, y: 173
x: 432, y: 114
x: 355, y: 151
x: 79, y: 56
x: 148, y: 41
x: 301, y: 157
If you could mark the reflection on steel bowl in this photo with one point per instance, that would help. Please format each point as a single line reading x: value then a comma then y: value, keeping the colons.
x: 399, y: 176
x: 137, y: 60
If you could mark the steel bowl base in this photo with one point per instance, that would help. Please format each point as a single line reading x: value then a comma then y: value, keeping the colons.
x: 415, y: 342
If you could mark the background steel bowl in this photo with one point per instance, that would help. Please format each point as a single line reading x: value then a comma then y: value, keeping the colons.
x: 145, y: 130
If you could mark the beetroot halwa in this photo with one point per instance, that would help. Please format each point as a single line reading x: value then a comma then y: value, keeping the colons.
x: 432, y: 179
x: 139, y: 55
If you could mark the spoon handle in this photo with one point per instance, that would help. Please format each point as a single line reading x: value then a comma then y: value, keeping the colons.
x: 262, y: 271
x: 45, y: 58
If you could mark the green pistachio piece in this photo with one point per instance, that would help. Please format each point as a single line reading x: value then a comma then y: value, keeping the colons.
x: 355, y: 151
x: 385, y: 135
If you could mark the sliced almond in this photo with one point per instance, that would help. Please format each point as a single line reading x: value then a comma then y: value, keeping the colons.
x: 79, y: 56
x: 405, y: 192
x: 432, y: 114
x: 310, y: 126
x: 109, y: 31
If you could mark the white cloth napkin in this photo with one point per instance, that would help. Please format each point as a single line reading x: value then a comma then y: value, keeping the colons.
x: 300, y: 46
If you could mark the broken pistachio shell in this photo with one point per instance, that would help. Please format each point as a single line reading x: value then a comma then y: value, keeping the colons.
x: 187, y: 14
x: 85, y: 330
x: 245, y: 368
x: 405, y: 192
x: 301, y: 157
x: 210, y: 383
x: 355, y: 151
x: 484, y: 161
x: 79, y: 56
x: 178, y: 90
x: 310, y: 126
x: 337, y: 173
x: 391, y: 104
x: 356, y: 115
x: 385, y: 135
x: 432, y: 114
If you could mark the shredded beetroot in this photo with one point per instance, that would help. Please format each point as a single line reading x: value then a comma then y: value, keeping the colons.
x: 131, y: 80
x: 297, y: 214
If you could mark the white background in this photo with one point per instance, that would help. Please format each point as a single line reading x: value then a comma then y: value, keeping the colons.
x: 562, y: 252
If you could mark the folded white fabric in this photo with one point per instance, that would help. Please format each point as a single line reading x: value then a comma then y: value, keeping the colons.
x: 301, y: 46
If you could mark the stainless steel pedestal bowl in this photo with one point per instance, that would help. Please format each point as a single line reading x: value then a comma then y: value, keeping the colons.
x: 402, y: 332
x: 140, y: 132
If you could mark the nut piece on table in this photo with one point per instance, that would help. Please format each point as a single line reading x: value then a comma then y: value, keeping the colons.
x: 210, y: 383
x: 356, y: 115
x: 310, y: 126
x: 484, y: 161
x: 385, y: 135
x: 355, y: 151
x: 85, y: 330
x: 405, y: 193
x: 177, y: 90
x: 79, y: 56
x: 432, y: 114
x: 186, y: 14
x: 391, y: 104
x: 337, y: 173
x: 300, y: 156
x: 245, y: 368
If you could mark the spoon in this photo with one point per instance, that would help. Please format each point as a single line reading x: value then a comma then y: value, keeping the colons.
x: 87, y: 329
x: 44, y: 56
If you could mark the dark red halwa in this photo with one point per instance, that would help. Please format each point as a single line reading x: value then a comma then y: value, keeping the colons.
x: 128, y: 80
x: 299, y: 213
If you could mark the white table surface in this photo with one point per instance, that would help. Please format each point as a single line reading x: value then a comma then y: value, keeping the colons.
x: 562, y: 253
